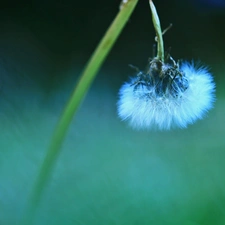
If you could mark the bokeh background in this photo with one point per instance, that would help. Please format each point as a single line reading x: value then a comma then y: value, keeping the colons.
x: 107, y: 173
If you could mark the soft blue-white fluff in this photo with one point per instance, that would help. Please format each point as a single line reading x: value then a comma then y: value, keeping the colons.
x: 143, y: 108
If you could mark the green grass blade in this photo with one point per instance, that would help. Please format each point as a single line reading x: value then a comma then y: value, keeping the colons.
x: 81, y: 89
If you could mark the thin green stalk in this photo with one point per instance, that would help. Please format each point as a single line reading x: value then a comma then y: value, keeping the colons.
x: 81, y: 89
x: 156, y: 23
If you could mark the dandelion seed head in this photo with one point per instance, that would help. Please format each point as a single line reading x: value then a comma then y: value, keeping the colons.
x: 166, y: 96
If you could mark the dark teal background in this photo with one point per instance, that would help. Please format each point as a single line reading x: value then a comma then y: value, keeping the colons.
x: 107, y: 173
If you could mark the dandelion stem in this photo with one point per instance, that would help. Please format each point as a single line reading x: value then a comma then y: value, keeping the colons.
x: 86, y: 79
x: 156, y: 23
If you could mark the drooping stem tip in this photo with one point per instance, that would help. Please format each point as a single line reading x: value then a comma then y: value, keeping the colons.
x: 156, y: 23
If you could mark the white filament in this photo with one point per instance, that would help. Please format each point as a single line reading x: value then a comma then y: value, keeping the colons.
x: 168, y: 111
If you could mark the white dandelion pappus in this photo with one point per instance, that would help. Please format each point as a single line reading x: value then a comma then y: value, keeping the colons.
x: 166, y: 96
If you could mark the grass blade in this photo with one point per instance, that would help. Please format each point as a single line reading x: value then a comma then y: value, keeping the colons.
x: 80, y: 90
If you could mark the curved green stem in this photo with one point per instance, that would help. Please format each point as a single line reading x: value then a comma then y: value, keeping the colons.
x: 156, y: 23
x: 81, y: 89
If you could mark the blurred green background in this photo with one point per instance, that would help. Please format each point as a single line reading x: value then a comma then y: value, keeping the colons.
x: 107, y: 173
